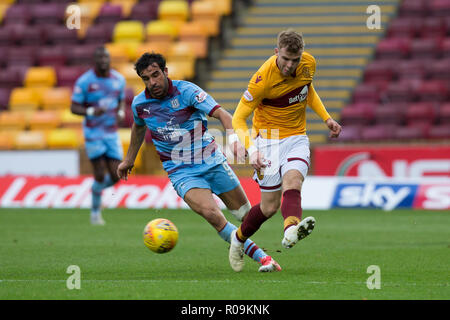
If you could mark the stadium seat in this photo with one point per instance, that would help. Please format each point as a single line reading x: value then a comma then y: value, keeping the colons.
x: 12, y: 76
x: 40, y: 77
x: 70, y: 120
x: 436, y: 67
x: 129, y: 31
x: 63, y: 138
x: 176, y: 71
x: 439, y: 132
x: 439, y: 8
x: 207, y: 13
x: 161, y: 47
x: 99, y: 33
x: 446, y: 48
x: 109, y: 13
x: 404, y: 27
x: 413, y: 8
x: 432, y: 27
x: 132, y: 79
x: 81, y: 54
x: 57, y: 98
x: 17, y: 14
x: 67, y: 75
x: 127, y: 6
x: 409, y: 133
x: 160, y: 31
x: 358, y: 114
x: 21, y: 56
x: 89, y: 11
x: 7, y: 36
x: 7, y: 139
x: 120, y: 53
x: 29, y: 35
x: 433, y: 91
x: 194, y: 34
x: 53, y: 13
x: 411, y: 69
x: 401, y: 91
x: 24, y: 99
x: 173, y: 10
x: 377, y: 133
x: 27, y: 140
x: 45, y: 120
x: 379, y: 71
x: 389, y: 115
x: 365, y: 93
x: 183, y: 55
x: 444, y: 114
x: 61, y: 35
x: 393, y: 48
x: 124, y: 135
x: 53, y: 56
x: 425, y: 48
x: 144, y: 11
x: 14, y: 120
x: 350, y: 133
x: 420, y: 113
x: 4, y: 98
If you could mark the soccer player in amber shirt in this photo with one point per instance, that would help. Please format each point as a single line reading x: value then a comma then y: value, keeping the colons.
x: 278, y: 147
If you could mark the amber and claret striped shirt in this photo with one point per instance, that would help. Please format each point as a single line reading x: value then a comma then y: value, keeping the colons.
x: 278, y: 102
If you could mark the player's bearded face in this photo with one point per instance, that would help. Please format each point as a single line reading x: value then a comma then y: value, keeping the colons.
x: 287, y: 61
x: 156, y: 81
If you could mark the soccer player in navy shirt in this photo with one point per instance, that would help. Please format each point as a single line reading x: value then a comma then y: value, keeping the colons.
x: 99, y: 95
x: 175, y: 113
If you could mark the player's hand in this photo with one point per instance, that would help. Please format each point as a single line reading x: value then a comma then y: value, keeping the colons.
x: 98, y: 111
x: 120, y: 116
x: 257, y: 161
x: 124, y: 169
x: 238, y: 151
x: 335, y: 128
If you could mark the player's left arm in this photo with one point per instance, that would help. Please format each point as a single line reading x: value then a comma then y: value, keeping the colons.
x: 316, y: 104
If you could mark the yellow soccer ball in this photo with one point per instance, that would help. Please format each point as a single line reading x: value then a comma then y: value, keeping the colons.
x: 160, y: 235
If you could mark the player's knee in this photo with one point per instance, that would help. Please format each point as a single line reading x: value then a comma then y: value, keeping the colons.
x: 269, y: 209
x: 240, y: 213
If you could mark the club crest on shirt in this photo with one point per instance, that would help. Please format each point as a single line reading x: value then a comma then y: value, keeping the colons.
x: 175, y: 103
x: 201, y: 97
x: 306, y: 73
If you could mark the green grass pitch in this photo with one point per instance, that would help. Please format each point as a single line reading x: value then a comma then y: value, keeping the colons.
x: 411, y: 248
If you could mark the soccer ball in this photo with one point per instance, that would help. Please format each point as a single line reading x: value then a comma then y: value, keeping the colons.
x: 160, y: 235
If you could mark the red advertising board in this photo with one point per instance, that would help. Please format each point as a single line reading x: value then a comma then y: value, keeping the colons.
x: 382, y: 161
x: 60, y: 192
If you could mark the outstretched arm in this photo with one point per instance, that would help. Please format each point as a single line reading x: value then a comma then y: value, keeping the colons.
x: 136, y: 139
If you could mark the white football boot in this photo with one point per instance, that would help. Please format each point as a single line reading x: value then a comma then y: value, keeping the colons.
x: 236, y: 253
x: 96, y: 218
x: 298, y: 232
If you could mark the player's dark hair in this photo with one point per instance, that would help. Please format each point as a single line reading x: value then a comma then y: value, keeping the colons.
x: 148, y: 59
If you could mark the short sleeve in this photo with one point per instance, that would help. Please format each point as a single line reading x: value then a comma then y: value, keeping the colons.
x: 137, y: 120
x: 201, y: 100
x: 79, y: 95
x: 254, y: 94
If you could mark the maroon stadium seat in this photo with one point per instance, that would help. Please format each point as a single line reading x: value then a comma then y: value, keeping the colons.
x: 405, y: 27
x: 21, y: 56
x: 426, y: 48
x: 4, y: 98
x: 433, y: 27
x: 393, y: 48
x: 6, y: 36
x: 51, y: 56
x: 109, y: 13
x: 350, y: 133
x: 60, y: 35
x: 401, y: 91
x: 439, y: 132
x: 49, y: 13
x: 99, y: 33
x: 378, y: 133
x: 379, y: 71
x: 439, y: 70
x: 420, y: 113
x: 13, y: 76
x: 81, y: 54
x: 33, y: 35
x: 17, y: 14
x: 433, y: 90
x: 444, y: 114
x: 389, y: 115
x: 365, y: 93
x: 411, y: 69
x: 446, y: 48
x: 144, y: 11
x: 439, y: 8
x: 409, y: 133
x: 357, y: 114
x: 67, y: 75
x: 413, y: 8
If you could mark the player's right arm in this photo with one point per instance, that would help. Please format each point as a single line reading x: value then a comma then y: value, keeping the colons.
x: 251, y: 98
x: 136, y: 140
x: 79, y: 99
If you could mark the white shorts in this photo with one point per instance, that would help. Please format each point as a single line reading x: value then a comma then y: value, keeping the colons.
x: 281, y: 155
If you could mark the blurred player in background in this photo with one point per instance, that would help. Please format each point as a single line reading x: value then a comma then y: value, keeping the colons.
x: 175, y: 113
x: 278, y: 94
x: 99, y: 95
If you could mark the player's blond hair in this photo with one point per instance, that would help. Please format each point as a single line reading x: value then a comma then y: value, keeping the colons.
x: 291, y: 40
